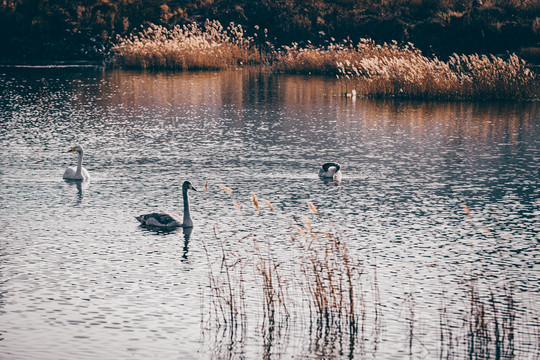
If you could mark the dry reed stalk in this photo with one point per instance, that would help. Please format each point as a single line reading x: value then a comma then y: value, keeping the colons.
x: 446, y: 334
x: 237, y: 205
x: 273, y: 286
x: 228, y: 190
x: 468, y: 212
x: 490, y: 324
x: 229, y: 293
x: 214, y: 287
x: 255, y: 202
x: 312, y: 207
x: 268, y: 204
x: 307, y: 223
x: 330, y: 280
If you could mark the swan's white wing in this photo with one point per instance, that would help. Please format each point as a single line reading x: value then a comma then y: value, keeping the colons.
x: 70, y: 173
x: 85, y: 173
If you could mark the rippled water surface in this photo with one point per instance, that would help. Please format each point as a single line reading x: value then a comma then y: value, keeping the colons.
x: 436, y: 199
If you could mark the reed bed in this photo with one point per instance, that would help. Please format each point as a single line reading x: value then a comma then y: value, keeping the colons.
x: 331, y: 279
x: 365, y: 69
x: 392, y: 70
x: 322, y: 288
x: 190, y: 47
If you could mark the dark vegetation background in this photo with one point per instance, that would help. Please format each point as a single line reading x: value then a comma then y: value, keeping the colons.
x: 45, y: 30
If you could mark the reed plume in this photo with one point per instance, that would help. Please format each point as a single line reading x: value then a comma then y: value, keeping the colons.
x: 190, y: 47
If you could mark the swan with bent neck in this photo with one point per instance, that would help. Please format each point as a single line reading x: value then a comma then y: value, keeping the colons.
x: 79, y: 172
x: 168, y: 220
x: 330, y: 170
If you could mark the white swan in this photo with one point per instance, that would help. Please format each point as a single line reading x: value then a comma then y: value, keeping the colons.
x: 330, y: 170
x: 169, y: 220
x: 78, y: 173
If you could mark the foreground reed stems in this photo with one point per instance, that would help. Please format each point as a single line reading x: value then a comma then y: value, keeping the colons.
x: 491, y: 331
x: 273, y: 288
x: 228, y: 288
x: 488, y: 325
x: 322, y: 280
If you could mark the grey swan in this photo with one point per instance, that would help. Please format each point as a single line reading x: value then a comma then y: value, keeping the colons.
x: 168, y: 220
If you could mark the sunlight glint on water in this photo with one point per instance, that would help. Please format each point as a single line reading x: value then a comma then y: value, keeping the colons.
x: 81, y: 279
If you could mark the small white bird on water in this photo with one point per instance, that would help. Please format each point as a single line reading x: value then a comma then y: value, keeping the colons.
x: 77, y: 173
x: 330, y: 170
x: 167, y: 220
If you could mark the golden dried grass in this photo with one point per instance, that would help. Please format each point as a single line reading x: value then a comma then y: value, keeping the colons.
x: 227, y: 189
x: 323, y: 283
x: 255, y: 200
x: 392, y: 70
x: 189, y: 47
x: 365, y: 69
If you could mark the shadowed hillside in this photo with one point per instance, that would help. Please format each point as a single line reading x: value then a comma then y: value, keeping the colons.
x: 86, y: 29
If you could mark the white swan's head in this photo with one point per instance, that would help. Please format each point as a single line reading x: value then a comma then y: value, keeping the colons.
x: 188, y: 185
x: 77, y: 148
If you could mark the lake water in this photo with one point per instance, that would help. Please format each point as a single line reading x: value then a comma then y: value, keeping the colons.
x: 438, y: 202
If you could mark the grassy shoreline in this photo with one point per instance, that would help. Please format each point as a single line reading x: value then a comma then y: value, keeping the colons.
x: 365, y: 68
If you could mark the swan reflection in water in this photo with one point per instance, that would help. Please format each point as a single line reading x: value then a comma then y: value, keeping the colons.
x: 172, y: 231
x: 187, y: 235
x: 81, y: 186
x: 331, y: 182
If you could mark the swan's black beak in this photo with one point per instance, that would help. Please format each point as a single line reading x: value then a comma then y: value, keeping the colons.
x: 192, y: 188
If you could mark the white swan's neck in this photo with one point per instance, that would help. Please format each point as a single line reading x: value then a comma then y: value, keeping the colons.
x: 187, y: 216
x: 79, y: 165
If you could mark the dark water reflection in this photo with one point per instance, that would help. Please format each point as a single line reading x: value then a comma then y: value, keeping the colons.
x: 77, y: 270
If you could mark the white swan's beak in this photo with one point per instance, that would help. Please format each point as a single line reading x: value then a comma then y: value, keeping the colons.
x: 72, y: 149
